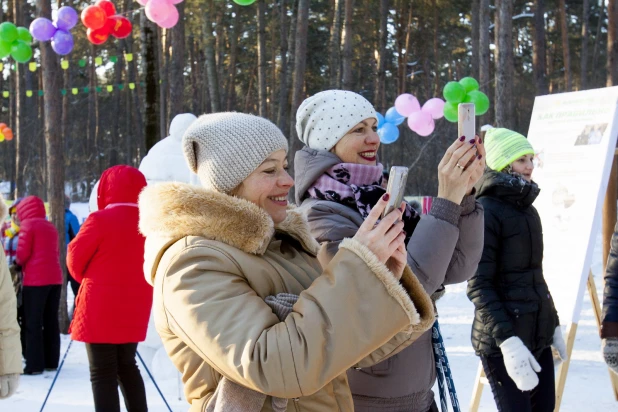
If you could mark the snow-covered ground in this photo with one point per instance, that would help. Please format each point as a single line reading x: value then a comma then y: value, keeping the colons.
x: 587, y: 388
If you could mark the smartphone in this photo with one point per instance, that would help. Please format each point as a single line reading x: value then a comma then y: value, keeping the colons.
x: 466, y: 124
x: 396, y: 188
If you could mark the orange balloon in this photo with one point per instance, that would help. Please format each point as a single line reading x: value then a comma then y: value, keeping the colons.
x: 8, y: 132
x: 2, y: 126
x: 9, y: 138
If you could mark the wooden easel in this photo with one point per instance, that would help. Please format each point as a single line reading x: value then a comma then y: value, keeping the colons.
x: 609, y: 221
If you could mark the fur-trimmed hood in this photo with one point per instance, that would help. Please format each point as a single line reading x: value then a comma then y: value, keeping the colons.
x: 4, y: 210
x: 176, y: 210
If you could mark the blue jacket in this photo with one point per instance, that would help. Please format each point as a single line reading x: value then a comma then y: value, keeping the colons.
x: 71, y: 226
x: 610, y: 293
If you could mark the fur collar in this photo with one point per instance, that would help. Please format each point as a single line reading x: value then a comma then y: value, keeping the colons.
x: 4, y: 209
x: 176, y: 210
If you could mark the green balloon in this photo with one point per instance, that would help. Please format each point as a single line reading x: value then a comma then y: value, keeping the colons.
x: 244, y: 2
x: 469, y: 83
x: 454, y: 92
x: 450, y: 112
x: 8, y: 32
x: 5, y: 49
x: 24, y: 35
x: 21, y: 51
x: 480, y: 100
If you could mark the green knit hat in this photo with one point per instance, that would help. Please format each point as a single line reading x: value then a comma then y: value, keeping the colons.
x: 504, y: 146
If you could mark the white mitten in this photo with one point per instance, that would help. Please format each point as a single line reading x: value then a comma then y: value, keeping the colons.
x: 8, y: 385
x: 558, y: 347
x: 520, y: 364
x: 609, y: 347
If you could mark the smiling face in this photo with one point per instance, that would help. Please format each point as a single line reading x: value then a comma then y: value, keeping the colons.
x: 524, y: 166
x: 360, y: 145
x: 268, y: 186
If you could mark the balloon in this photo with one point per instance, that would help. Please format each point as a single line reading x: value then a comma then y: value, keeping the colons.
x: 381, y: 120
x: 170, y: 20
x: 1, y: 137
x: 94, y: 17
x: 8, y: 32
x: 9, y: 137
x: 421, y: 123
x: 247, y: 3
x: 107, y: 6
x: 450, y: 112
x: 67, y: 18
x: 5, y: 49
x: 480, y: 100
x: 8, y: 133
x: 21, y: 51
x: 98, y: 36
x: 42, y: 29
x: 158, y: 10
x: 392, y: 116
x: 3, y: 126
x: 62, y: 42
x: 469, y: 83
x: 176, y: 1
x: 24, y: 35
x: 454, y: 92
x: 388, y: 133
x: 122, y: 26
x: 435, y: 107
x: 406, y: 104
x: 143, y: 2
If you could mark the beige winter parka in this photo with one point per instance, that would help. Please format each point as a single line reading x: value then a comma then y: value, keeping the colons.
x: 213, y: 259
x: 10, y: 345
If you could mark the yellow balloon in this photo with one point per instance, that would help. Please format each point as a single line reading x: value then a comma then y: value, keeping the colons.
x: 1, y: 137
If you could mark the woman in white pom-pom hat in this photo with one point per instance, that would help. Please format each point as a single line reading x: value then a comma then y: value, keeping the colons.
x: 338, y: 180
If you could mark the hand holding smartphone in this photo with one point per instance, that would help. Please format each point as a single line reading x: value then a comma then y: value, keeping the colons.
x: 466, y: 124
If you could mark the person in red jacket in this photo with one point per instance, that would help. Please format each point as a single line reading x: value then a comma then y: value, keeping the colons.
x: 114, y: 300
x: 38, y: 254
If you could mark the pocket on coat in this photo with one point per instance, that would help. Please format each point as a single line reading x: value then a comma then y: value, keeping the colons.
x: 524, y: 318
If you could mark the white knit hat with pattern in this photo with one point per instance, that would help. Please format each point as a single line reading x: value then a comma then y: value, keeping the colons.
x: 324, y: 118
x: 224, y: 148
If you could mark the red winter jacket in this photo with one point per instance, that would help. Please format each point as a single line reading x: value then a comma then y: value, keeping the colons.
x: 107, y: 258
x: 38, y: 252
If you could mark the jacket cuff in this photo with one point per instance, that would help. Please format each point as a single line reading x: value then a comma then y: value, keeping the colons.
x: 468, y: 204
x: 609, y: 330
x: 408, y: 292
x: 446, y: 210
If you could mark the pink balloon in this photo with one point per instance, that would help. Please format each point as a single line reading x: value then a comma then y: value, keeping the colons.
x: 421, y: 123
x: 158, y: 10
x: 171, y: 19
x: 176, y: 1
x: 435, y: 107
x: 142, y: 2
x: 406, y: 104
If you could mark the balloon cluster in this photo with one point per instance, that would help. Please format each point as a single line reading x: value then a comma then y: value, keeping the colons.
x: 43, y: 29
x: 464, y: 91
x: 101, y: 21
x: 421, y: 120
x: 6, y: 133
x: 16, y: 42
x: 244, y: 2
x: 162, y: 12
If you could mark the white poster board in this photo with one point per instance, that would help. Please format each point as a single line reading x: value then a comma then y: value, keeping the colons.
x: 574, y: 137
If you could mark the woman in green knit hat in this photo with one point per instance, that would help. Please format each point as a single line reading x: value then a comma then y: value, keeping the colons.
x: 515, y: 325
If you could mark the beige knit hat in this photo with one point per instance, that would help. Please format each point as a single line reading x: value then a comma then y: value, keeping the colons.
x: 224, y: 148
x: 324, y: 118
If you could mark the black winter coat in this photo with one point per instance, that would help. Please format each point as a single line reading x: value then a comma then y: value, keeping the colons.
x: 509, y: 292
x: 610, y: 293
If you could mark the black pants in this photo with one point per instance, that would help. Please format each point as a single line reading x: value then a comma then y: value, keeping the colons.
x: 111, y: 365
x: 42, y: 330
x: 509, y: 398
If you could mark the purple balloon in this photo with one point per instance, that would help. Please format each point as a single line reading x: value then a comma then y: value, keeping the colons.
x: 62, y: 42
x: 67, y: 18
x: 42, y: 29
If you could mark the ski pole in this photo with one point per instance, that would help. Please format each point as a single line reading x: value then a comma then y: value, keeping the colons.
x: 153, y: 381
x: 56, y: 377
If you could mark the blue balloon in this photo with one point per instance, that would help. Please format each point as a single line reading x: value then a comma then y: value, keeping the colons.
x: 388, y: 133
x: 381, y: 120
x: 393, y: 116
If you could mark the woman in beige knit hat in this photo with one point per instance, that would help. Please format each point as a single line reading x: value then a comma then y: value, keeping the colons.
x: 217, y: 254
x: 338, y: 180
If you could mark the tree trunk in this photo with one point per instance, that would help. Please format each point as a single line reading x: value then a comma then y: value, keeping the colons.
x: 283, y: 89
x: 285, y: 113
x: 139, y: 143
x: 151, y: 99
x: 211, y: 62
x: 504, y: 67
x: 476, y: 17
x: 538, y: 49
x: 484, y: 52
x: 348, y: 37
x: 300, y: 60
x: 403, y: 74
x: 584, y: 50
x: 20, y: 117
x: 162, y: 75
x: 612, y: 43
x: 436, y: 51
x: 52, y: 82
x: 178, y: 60
x: 261, y: 50
x: 379, y: 99
x: 116, y: 135
x: 566, y: 54
x: 597, y: 40
x: 335, y: 47
x: 230, y: 87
